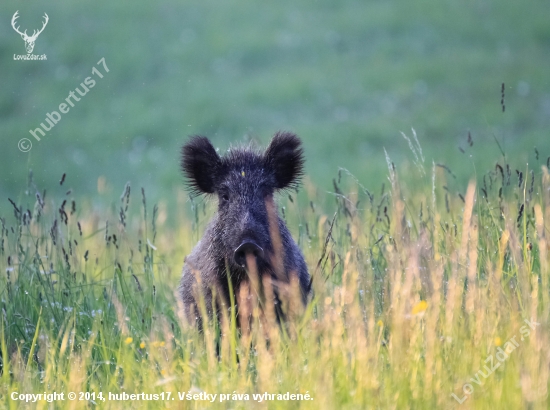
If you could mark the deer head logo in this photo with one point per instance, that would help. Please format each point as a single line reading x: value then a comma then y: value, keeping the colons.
x: 29, y: 40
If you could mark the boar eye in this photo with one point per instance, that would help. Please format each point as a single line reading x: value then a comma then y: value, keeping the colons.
x: 225, y: 197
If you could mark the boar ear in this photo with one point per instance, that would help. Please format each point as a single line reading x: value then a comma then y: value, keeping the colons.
x: 286, y: 158
x: 201, y: 165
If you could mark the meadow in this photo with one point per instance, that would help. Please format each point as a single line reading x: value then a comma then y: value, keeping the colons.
x: 345, y: 76
x: 428, y: 248
x: 421, y: 299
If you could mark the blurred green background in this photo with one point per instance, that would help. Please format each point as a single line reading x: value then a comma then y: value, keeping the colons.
x: 347, y: 76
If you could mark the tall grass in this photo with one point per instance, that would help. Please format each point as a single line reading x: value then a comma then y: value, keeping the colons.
x: 414, y: 289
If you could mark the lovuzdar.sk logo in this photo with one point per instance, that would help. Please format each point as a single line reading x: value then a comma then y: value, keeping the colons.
x: 29, y: 40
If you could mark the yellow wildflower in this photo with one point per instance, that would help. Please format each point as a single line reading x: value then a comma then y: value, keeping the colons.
x: 420, y: 307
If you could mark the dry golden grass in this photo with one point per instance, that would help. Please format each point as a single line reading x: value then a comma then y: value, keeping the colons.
x: 420, y: 301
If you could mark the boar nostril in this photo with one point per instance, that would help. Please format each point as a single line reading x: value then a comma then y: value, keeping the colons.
x: 244, y: 249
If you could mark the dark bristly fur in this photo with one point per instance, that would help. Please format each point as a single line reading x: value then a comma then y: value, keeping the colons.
x: 244, y: 180
x: 201, y: 165
x: 285, y: 157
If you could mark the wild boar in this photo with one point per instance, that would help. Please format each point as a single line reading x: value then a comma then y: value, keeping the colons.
x: 246, y: 228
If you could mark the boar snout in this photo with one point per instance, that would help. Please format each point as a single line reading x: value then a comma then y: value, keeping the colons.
x: 245, y: 248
